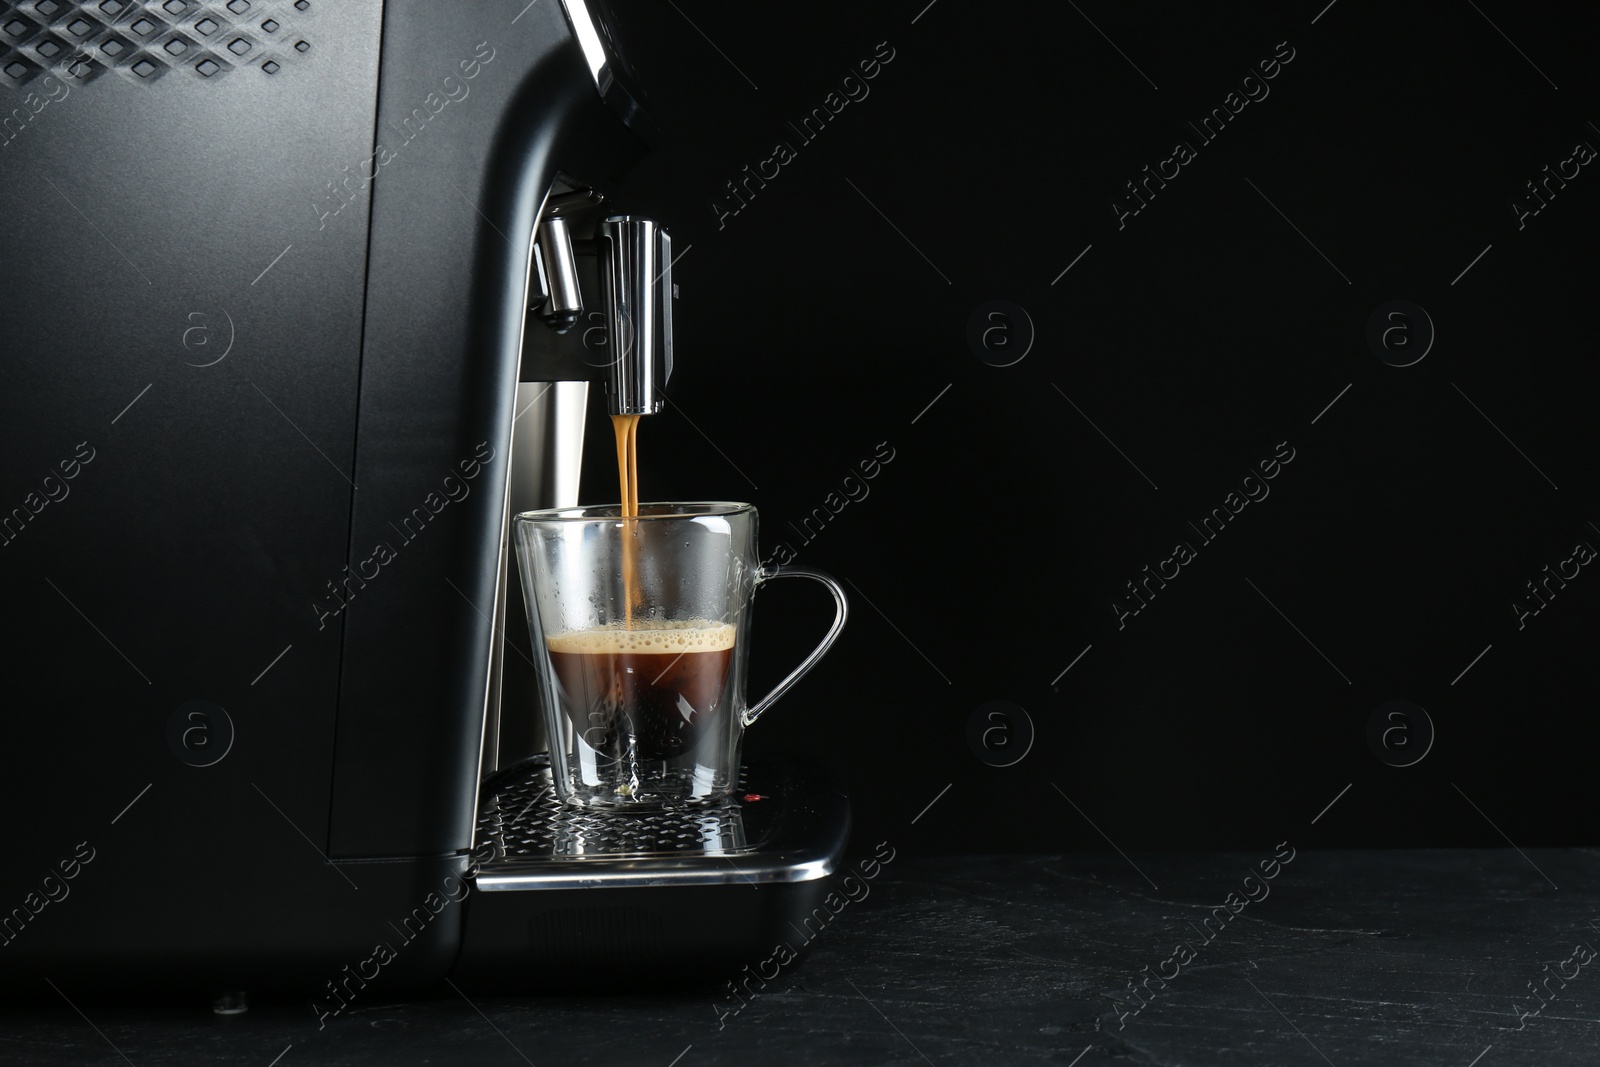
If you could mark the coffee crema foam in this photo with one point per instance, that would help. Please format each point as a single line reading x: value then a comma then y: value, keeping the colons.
x: 655, y: 638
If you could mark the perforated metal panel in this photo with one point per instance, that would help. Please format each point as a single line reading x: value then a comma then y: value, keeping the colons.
x: 144, y: 40
x: 525, y: 820
x: 784, y: 823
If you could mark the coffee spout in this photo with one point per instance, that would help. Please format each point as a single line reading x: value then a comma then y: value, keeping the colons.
x: 636, y: 291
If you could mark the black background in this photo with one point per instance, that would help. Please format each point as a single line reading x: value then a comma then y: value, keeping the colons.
x: 1196, y: 337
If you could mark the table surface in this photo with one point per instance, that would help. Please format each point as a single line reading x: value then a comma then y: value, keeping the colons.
x: 1343, y: 958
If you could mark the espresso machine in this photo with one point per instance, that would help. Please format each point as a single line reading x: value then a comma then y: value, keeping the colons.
x: 304, y: 301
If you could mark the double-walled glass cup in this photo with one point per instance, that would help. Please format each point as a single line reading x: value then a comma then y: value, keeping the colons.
x: 641, y: 632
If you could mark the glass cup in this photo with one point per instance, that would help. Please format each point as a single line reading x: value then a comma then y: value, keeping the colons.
x: 641, y: 631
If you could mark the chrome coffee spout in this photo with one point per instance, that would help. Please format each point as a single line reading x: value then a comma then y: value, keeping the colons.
x: 636, y: 290
x: 634, y: 270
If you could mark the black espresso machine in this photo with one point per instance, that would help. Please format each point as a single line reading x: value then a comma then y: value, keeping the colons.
x: 302, y: 301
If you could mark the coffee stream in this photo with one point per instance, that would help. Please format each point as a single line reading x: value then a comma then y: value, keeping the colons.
x: 627, y: 431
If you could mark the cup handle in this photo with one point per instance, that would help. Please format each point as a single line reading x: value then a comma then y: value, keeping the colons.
x: 841, y: 609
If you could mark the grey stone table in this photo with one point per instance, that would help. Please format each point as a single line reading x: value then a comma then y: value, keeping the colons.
x: 1452, y: 958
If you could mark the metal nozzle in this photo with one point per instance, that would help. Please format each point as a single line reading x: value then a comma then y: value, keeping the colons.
x: 636, y: 290
x: 558, y: 276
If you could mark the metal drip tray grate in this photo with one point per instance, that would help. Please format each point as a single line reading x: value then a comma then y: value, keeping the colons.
x: 767, y: 831
x: 525, y: 819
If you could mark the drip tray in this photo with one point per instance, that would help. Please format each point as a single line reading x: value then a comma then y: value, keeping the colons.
x: 566, y: 895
